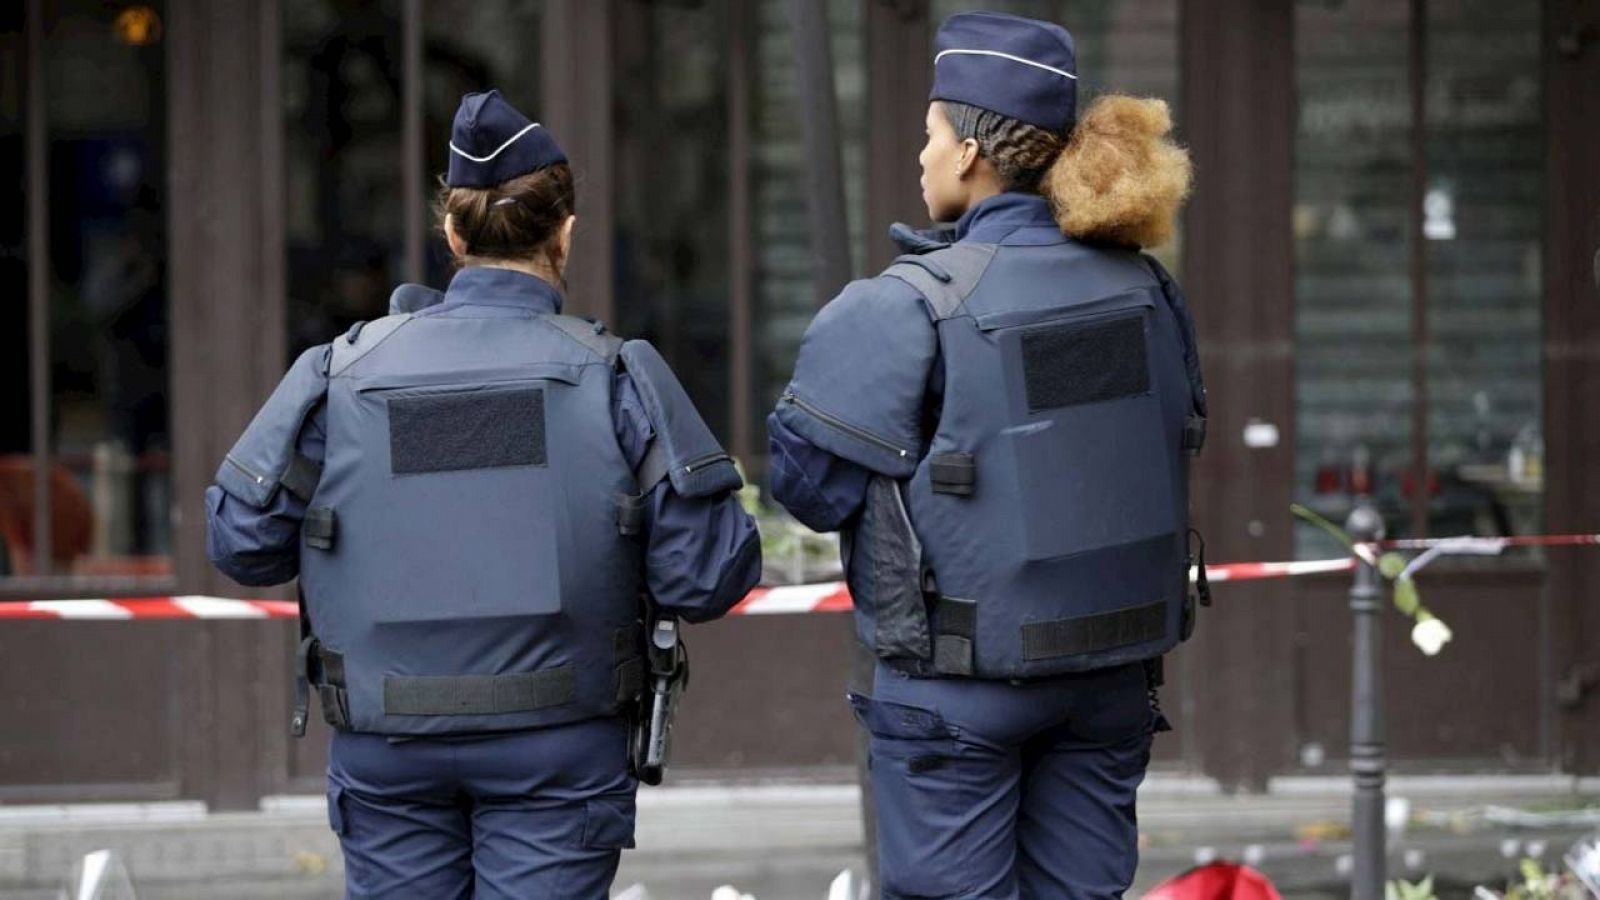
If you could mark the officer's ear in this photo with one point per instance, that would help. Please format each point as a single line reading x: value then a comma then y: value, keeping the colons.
x: 458, y: 247
x: 968, y: 160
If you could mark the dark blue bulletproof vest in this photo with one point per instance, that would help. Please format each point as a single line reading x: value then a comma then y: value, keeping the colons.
x: 462, y: 564
x: 1051, y: 507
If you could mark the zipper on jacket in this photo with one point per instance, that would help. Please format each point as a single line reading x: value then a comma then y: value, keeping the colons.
x: 846, y: 427
x: 701, y: 462
x: 258, y: 479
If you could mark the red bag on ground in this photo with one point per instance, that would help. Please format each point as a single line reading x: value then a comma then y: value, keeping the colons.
x: 1217, y: 881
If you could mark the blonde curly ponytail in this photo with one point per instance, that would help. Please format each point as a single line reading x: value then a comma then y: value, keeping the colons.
x: 1120, y: 179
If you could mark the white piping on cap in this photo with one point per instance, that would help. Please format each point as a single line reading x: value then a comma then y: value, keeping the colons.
x: 483, y: 159
x: 1027, y: 62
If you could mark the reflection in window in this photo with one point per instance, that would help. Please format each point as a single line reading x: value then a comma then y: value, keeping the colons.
x: 470, y: 45
x: 1353, y: 353
x: 110, y: 483
x: 1122, y: 47
x: 671, y: 177
x: 342, y: 147
x: 784, y: 300
x: 1483, y: 223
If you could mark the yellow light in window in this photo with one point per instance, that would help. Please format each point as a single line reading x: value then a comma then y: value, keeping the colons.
x: 138, y: 26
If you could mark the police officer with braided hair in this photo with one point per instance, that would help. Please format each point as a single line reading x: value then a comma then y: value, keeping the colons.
x: 475, y: 493
x: 1000, y: 425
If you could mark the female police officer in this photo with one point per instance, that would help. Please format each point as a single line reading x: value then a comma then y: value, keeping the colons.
x: 475, y: 496
x: 1000, y: 425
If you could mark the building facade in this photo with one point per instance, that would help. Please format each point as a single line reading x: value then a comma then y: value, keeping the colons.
x: 1390, y: 252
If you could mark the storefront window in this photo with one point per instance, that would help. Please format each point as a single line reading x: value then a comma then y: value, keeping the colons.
x: 108, y: 502
x: 16, y: 442
x: 1482, y: 223
x: 671, y: 191
x: 1353, y: 322
x: 1375, y: 334
x: 342, y: 158
x: 785, y: 301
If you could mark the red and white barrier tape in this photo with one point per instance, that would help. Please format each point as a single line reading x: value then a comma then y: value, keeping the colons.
x: 1493, y: 544
x: 115, y: 608
x: 1255, y: 571
x: 800, y: 598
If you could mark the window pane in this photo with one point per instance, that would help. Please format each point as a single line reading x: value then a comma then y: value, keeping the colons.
x: 342, y: 158
x: 784, y: 299
x: 1353, y: 342
x: 470, y: 45
x: 16, y: 501
x: 671, y: 176
x: 105, y: 103
x: 1483, y: 223
x: 1122, y: 47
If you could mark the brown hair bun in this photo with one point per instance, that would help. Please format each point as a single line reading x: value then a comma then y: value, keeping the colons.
x: 516, y: 220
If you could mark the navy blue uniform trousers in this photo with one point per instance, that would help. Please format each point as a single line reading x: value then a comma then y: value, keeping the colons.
x: 989, y: 789
x: 539, y: 813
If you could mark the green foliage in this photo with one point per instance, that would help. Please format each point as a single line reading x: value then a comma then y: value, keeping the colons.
x: 1391, y: 565
x: 1532, y: 872
x: 1334, y: 531
x: 1405, y: 890
x: 1406, y: 597
x: 1537, y: 884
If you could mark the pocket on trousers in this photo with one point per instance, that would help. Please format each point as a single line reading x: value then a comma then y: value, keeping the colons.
x: 608, y: 823
x: 336, y: 818
x: 930, y: 788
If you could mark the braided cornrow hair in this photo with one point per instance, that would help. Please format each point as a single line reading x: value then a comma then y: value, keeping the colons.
x: 1020, y: 153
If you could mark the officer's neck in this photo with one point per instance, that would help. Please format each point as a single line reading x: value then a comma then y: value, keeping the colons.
x: 540, y: 270
x: 980, y: 190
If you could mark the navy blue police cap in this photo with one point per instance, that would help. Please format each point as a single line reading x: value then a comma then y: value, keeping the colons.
x: 492, y: 143
x: 1020, y: 68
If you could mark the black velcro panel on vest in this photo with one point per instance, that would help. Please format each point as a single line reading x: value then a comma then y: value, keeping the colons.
x: 630, y: 514
x: 1194, y: 434
x: 478, y: 695
x: 474, y: 429
x: 1069, y: 365
x: 952, y: 473
x: 321, y: 527
x: 957, y: 622
x: 302, y: 476
x: 1092, y: 634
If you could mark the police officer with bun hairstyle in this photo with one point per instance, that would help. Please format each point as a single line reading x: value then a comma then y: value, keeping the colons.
x: 477, y: 493
x: 1000, y: 424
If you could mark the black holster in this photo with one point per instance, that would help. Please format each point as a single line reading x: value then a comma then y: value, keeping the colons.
x: 668, y: 663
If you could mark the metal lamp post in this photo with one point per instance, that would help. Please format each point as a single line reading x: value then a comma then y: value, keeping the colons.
x: 1367, y: 762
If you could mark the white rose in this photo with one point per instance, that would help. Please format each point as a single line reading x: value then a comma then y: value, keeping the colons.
x: 1430, y: 633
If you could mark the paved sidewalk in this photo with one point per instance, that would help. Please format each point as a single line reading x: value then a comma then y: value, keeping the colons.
x: 786, y: 841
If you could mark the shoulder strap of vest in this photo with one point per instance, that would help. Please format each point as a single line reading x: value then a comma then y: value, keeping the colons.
x: 590, y: 334
x: 1194, y: 432
x: 946, y: 276
x: 360, y: 340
